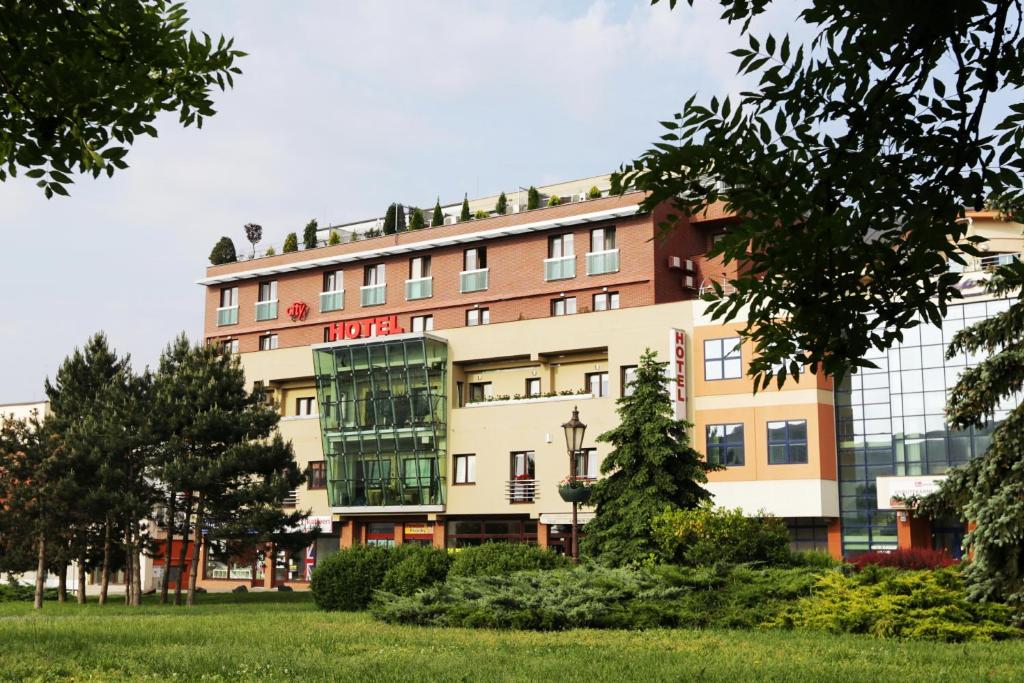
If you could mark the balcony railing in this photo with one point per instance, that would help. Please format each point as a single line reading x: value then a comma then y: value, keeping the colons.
x: 521, y: 490
x: 227, y: 315
x: 266, y: 310
x: 601, y: 262
x: 419, y: 288
x: 560, y: 268
x: 373, y: 295
x: 332, y: 301
x: 473, y: 280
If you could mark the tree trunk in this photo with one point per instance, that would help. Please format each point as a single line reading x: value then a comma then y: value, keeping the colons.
x: 197, y: 546
x: 81, y: 578
x: 168, y: 548
x: 105, y: 571
x: 183, y: 553
x: 40, y: 572
x: 62, y: 581
x: 129, y: 565
x: 136, y: 579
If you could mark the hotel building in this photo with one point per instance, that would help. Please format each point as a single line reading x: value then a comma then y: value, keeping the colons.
x: 423, y: 376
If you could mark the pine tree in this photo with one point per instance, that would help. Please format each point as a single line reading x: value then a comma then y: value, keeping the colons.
x: 438, y: 217
x: 390, y: 225
x: 501, y: 208
x: 532, y: 198
x: 417, y: 220
x: 291, y: 243
x: 399, y: 218
x: 223, y: 252
x: 651, y: 469
x: 465, y: 215
x: 309, y: 239
x: 989, y: 490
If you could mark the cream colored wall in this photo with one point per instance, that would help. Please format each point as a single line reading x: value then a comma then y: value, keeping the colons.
x: 1002, y: 236
x: 22, y: 411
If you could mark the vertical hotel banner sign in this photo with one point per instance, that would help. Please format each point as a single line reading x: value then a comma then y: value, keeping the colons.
x: 677, y: 372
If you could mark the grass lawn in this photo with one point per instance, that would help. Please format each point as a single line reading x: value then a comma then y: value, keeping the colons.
x: 281, y: 636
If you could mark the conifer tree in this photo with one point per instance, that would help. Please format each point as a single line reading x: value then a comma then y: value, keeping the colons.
x: 438, y: 217
x: 291, y: 243
x: 465, y: 215
x: 651, y: 469
x: 532, y: 198
x: 223, y: 252
x: 501, y: 207
x: 416, y: 219
x: 399, y: 218
x: 390, y: 220
x: 309, y: 240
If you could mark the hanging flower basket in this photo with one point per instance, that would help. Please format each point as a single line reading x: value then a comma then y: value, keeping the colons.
x: 575, y: 490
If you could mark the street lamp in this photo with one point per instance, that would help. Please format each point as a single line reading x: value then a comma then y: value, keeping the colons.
x: 574, y: 430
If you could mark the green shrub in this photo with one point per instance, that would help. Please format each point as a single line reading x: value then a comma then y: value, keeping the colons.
x: 291, y: 243
x: 705, y: 536
x: 594, y: 193
x: 493, y: 559
x: 554, y: 200
x: 223, y: 252
x: 346, y: 580
x: 480, y: 213
x: 892, y: 603
x: 415, y: 567
x: 334, y: 238
x: 271, y: 251
x: 815, y: 558
x: 11, y: 591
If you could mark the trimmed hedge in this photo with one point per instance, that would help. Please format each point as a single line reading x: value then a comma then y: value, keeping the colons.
x: 415, y: 567
x: 494, y: 559
x: 706, y: 536
x: 346, y: 580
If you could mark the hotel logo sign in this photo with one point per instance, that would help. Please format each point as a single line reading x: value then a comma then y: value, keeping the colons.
x: 677, y: 372
x: 298, y: 311
x: 380, y: 326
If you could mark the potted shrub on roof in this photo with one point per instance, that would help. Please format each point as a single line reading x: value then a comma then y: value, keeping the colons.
x: 575, y: 490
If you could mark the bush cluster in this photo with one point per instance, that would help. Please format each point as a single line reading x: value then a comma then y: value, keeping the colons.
x: 495, y: 559
x: 706, y: 536
x: 348, y: 579
x: 906, y: 558
x: 23, y: 592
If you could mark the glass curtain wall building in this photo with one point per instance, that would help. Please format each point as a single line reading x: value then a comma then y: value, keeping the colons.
x: 891, y: 422
x: 384, y: 420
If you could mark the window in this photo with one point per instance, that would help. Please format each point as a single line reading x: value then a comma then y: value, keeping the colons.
x: 717, y: 237
x: 373, y: 275
x: 266, y: 304
x: 419, y: 267
x: 807, y: 533
x: 304, y: 406
x: 564, y: 306
x: 268, y: 342
x: 316, y: 475
x: 587, y: 464
x: 332, y: 297
x: 422, y: 323
x: 560, y: 246
x: 521, y: 486
x: 533, y: 386
x: 327, y: 335
x: 606, y: 301
x: 602, y: 239
x: 474, y: 259
x: 787, y: 442
x: 227, y: 314
x: 332, y: 281
x: 478, y: 316
x: 627, y: 375
x: 725, y: 444
x: 465, y: 469
x: 268, y: 291
x: 229, y: 345
x: 228, y: 297
x: 479, y: 391
x: 597, y: 383
x: 722, y: 359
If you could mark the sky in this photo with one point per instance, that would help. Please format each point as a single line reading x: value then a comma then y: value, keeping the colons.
x: 342, y: 108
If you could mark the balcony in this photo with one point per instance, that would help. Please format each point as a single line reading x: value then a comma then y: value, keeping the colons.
x: 266, y: 310
x: 559, y: 268
x: 332, y: 301
x: 227, y: 315
x: 473, y: 280
x: 373, y: 295
x: 419, y: 288
x: 601, y: 262
x: 521, y: 490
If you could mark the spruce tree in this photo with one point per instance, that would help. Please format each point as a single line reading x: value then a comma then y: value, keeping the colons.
x: 309, y: 240
x: 501, y: 207
x: 223, y: 252
x: 399, y: 218
x: 651, y: 469
x: 532, y: 198
x: 438, y: 217
x: 416, y: 219
x: 465, y: 215
x: 291, y: 243
x: 390, y: 225
x: 989, y: 490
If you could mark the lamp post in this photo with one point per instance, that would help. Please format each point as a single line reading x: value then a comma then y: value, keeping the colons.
x: 574, y: 430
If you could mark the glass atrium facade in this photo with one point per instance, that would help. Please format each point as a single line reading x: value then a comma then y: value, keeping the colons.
x: 383, y: 420
x: 890, y: 422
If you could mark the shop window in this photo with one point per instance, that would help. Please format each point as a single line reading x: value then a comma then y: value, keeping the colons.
x: 787, y: 442
x: 563, y: 306
x: 470, y: 532
x: 268, y: 342
x: 465, y: 469
x: 478, y: 316
x: 316, y: 475
x: 597, y: 383
x: 722, y: 359
x: 725, y: 444
x: 533, y: 386
x: 380, y: 534
x: 305, y: 406
x: 480, y: 391
x: 807, y: 533
x: 587, y: 464
x: 627, y: 375
x: 606, y: 301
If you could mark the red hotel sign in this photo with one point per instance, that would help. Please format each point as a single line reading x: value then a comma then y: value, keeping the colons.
x: 298, y: 311
x: 677, y: 373
x: 367, y: 327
